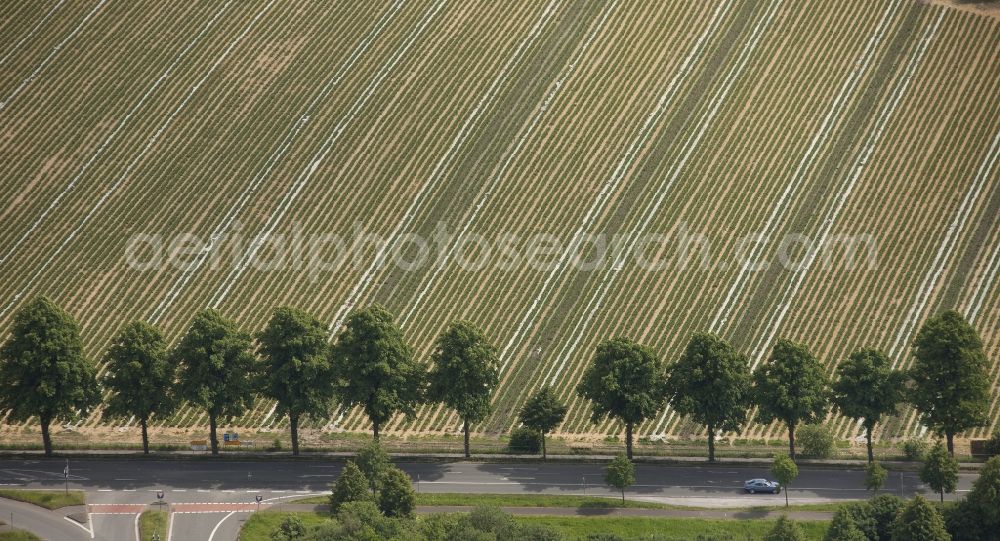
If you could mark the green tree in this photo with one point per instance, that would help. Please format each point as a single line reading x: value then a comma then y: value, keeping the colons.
x: 543, y: 412
x: 620, y: 474
x: 465, y: 372
x: 977, y: 516
x: 43, y: 368
x: 785, y: 530
x: 290, y: 529
x: 351, y: 486
x: 884, y: 509
x: 940, y: 470
x: 785, y: 471
x: 875, y: 476
x: 843, y: 528
x: 711, y: 384
x: 396, y: 497
x: 375, y: 368
x: 868, y: 389
x: 950, y: 382
x: 215, y: 363
x: 139, y: 376
x: 373, y: 462
x: 919, y: 521
x: 624, y: 381
x: 791, y: 387
x: 295, y: 371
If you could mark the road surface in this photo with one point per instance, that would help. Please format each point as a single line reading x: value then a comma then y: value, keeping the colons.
x: 209, y: 499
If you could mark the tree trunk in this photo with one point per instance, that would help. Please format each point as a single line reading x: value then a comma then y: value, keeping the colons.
x: 143, y: 423
x: 543, y: 446
x: 628, y: 443
x: 951, y: 442
x: 942, y: 495
x: 293, y: 421
x: 46, y: 438
x: 465, y: 429
x: 868, y: 441
x: 623, y: 496
x: 375, y: 429
x: 791, y: 441
x: 711, y: 444
x: 785, y: 490
x: 212, y: 436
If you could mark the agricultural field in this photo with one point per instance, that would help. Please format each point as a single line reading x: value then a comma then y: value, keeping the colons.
x: 827, y: 172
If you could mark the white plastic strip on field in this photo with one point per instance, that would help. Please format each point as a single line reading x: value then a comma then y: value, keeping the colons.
x: 990, y: 276
x: 611, y: 184
x: 944, y: 254
x: 55, y: 51
x: 946, y: 248
x: 136, y: 159
x: 303, y: 179
x: 653, y: 207
x: 845, y: 192
x: 808, y: 160
x: 223, y: 227
x: 495, y: 181
x: 523, y: 137
x: 113, y: 135
x: 439, y: 170
x: 17, y: 46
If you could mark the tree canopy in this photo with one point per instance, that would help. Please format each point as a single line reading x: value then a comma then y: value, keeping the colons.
x: 950, y: 381
x: 919, y: 521
x: 43, y: 368
x: 620, y: 474
x: 791, y: 387
x: 351, y: 486
x: 543, y: 412
x: 139, y: 376
x: 624, y: 381
x: 375, y: 368
x: 940, y: 470
x: 465, y: 372
x: 215, y: 363
x: 867, y: 388
x: 296, y: 371
x: 711, y: 384
x: 785, y: 471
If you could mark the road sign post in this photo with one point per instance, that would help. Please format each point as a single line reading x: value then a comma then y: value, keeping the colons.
x: 66, y: 476
x: 258, y: 498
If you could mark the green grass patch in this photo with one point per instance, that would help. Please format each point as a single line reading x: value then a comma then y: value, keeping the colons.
x: 260, y: 525
x: 49, y: 499
x: 18, y: 535
x: 680, y: 528
x: 515, y: 500
x: 151, y: 522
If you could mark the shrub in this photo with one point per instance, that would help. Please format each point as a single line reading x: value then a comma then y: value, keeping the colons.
x: 785, y: 530
x: 884, y: 509
x: 525, y: 441
x: 915, y: 450
x: 843, y: 528
x: 290, y: 529
x: 919, y: 521
x: 396, y: 497
x: 351, y: 486
x: 993, y: 444
x: 816, y: 441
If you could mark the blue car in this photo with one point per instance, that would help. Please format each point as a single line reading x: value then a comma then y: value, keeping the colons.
x: 754, y: 486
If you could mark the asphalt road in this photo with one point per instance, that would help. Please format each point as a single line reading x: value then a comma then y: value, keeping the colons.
x: 209, y: 496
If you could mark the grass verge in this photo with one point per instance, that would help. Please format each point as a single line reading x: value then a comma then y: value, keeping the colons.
x: 49, y: 499
x: 18, y: 535
x: 151, y: 522
x: 515, y: 500
x: 674, y: 528
x: 260, y: 525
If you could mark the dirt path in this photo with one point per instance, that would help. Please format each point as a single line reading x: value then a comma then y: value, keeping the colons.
x: 988, y: 9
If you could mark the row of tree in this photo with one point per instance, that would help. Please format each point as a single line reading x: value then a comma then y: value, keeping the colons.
x: 712, y: 383
x: 220, y: 368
